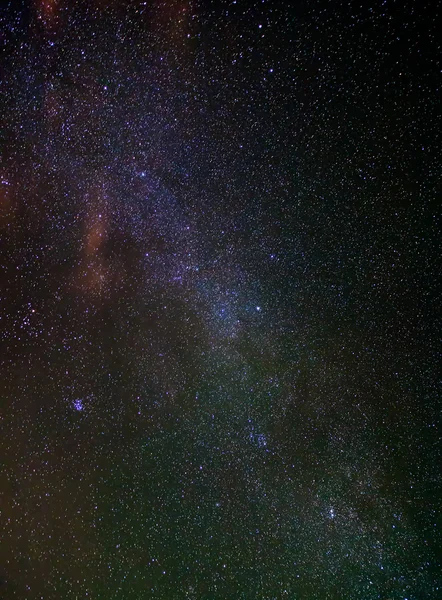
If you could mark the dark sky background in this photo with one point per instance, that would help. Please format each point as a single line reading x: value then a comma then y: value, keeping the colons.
x: 219, y: 228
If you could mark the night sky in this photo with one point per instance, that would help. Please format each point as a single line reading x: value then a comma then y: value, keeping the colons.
x: 219, y: 228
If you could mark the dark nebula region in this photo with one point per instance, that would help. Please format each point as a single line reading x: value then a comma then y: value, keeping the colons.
x: 220, y: 296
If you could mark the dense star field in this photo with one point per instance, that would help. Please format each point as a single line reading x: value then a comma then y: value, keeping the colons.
x: 219, y: 300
